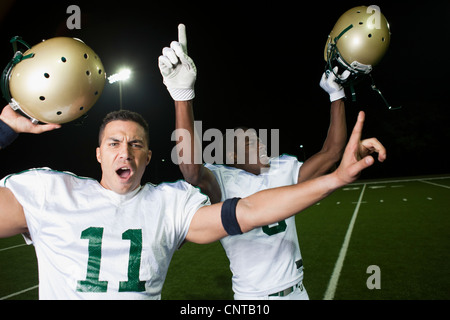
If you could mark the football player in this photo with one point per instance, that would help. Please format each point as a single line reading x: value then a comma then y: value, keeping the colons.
x: 266, y: 262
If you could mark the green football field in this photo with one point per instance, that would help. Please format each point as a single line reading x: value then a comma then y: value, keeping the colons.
x: 385, y: 240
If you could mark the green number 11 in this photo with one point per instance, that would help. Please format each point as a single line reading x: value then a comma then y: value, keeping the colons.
x: 92, y: 282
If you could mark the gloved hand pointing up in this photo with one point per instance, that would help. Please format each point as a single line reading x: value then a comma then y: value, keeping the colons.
x: 178, y: 69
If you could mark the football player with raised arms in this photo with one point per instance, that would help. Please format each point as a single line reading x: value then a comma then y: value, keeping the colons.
x: 266, y: 262
x: 114, y: 238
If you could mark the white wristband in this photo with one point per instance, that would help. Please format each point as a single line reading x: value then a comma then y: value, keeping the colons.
x: 337, y: 95
x: 181, y: 94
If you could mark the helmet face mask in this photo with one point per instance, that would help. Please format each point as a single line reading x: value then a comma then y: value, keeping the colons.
x: 57, y: 81
x: 358, y: 41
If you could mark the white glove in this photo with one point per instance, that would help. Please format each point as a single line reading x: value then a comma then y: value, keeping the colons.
x: 178, y: 69
x: 329, y: 84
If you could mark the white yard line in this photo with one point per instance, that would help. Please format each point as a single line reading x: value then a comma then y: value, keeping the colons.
x: 19, y: 245
x: 332, y: 285
x: 19, y: 292
x: 435, y: 184
x: 397, y: 180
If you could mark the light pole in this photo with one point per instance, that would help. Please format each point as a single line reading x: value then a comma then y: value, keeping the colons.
x: 122, y: 75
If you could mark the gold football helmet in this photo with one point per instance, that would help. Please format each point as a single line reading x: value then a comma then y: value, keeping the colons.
x: 358, y: 41
x: 55, y: 81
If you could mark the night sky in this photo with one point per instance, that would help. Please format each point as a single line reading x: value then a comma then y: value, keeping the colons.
x: 259, y: 65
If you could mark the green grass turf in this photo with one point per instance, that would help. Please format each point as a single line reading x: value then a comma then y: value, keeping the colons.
x: 408, y: 237
x: 403, y: 227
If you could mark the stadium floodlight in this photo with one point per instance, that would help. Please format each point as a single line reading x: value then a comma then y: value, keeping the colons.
x: 122, y: 75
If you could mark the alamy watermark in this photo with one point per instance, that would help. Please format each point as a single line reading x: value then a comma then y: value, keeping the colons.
x: 374, y: 21
x: 374, y: 280
x: 74, y: 20
x: 236, y: 146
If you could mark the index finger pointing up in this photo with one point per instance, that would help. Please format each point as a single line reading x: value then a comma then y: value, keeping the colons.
x: 182, y: 39
x: 357, y: 129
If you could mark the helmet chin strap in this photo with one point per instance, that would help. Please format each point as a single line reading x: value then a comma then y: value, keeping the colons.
x: 374, y: 88
x: 18, y: 57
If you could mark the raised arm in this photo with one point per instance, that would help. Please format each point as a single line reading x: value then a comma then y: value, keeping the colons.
x: 272, y: 205
x: 179, y: 74
x: 188, y: 144
x: 187, y: 141
x: 333, y: 147
x: 12, y: 218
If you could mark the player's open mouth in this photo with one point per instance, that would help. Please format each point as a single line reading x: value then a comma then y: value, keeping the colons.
x: 124, y: 172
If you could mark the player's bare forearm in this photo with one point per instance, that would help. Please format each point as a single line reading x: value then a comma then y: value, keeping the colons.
x: 333, y: 147
x: 337, y: 132
x: 262, y: 208
x: 273, y: 205
x: 188, y: 143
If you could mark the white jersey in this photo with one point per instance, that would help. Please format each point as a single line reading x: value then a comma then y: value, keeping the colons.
x: 92, y: 243
x: 265, y: 260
